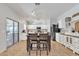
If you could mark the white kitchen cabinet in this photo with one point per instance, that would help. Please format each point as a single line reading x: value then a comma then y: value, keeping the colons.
x: 60, y: 38
x: 61, y: 23
x: 71, y: 42
x: 76, y: 45
x: 68, y: 41
x: 57, y: 37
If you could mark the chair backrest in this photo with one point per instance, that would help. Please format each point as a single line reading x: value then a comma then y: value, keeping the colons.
x: 44, y: 37
x: 32, y: 37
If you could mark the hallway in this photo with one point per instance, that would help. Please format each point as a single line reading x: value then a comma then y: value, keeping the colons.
x: 19, y: 49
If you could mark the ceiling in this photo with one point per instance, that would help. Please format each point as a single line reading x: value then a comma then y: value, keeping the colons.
x: 52, y: 10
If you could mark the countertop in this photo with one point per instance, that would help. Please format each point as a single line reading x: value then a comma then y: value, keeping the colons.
x: 71, y: 34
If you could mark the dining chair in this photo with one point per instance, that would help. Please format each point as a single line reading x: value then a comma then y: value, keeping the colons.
x: 44, y: 44
x: 32, y: 43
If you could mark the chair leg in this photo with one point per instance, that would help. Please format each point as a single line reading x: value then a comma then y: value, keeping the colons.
x: 47, y: 52
x: 27, y: 48
x: 40, y: 52
x: 29, y: 52
x: 47, y: 49
x: 36, y: 52
x: 43, y: 46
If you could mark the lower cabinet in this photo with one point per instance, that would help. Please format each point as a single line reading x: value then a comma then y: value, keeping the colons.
x: 72, y: 43
x: 57, y: 37
x: 60, y: 38
x: 68, y: 41
x: 76, y: 45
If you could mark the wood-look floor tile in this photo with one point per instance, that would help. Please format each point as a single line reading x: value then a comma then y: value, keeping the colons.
x: 19, y: 49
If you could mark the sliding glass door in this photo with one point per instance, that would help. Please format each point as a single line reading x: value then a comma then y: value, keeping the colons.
x: 12, y: 32
x: 9, y: 32
x: 16, y: 32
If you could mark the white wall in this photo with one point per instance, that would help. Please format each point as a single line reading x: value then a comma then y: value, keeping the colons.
x: 5, y: 12
x: 22, y: 35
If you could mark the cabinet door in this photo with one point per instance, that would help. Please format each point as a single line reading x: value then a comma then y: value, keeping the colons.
x: 60, y: 39
x: 67, y: 41
x: 70, y: 40
x: 67, y: 22
x: 57, y: 37
x: 60, y: 24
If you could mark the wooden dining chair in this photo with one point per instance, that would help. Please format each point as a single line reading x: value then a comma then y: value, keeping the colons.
x: 32, y: 43
x: 44, y: 44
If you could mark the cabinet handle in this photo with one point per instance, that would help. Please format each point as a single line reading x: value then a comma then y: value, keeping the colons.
x: 67, y: 39
x: 71, y: 40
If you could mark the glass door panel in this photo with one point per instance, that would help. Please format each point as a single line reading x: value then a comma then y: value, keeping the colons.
x: 9, y: 32
x: 12, y: 32
x: 16, y: 32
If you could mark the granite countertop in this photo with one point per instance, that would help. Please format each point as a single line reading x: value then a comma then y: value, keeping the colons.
x: 71, y: 34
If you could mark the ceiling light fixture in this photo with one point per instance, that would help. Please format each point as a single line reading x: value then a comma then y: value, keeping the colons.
x: 37, y: 4
x: 35, y: 10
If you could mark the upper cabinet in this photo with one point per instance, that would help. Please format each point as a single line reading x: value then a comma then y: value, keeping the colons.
x: 64, y: 23
x: 67, y: 22
x: 60, y: 24
x: 68, y: 27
